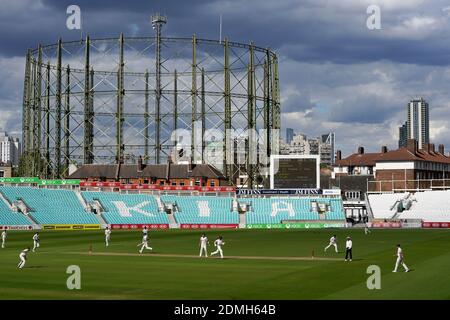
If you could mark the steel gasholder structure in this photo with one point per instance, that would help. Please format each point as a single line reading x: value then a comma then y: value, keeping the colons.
x: 115, y: 99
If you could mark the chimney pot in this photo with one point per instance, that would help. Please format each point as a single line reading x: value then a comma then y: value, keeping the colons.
x: 442, y: 149
x: 338, y: 155
x: 411, y: 145
x: 384, y: 149
x: 361, y: 150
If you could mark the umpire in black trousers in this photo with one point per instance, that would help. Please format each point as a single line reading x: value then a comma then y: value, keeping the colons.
x: 348, y: 249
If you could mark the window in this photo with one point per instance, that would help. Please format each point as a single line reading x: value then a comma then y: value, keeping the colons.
x: 212, y: 183
x: 182, y: 183
x: 2, y: 174
x: 174, y: 183
x: 161, y: 182
x: 197, y: 182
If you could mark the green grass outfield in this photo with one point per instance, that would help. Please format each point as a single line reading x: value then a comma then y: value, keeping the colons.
x: 122, y: 274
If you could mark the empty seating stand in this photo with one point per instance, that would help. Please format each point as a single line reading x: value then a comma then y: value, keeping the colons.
x: 48, y: 206
x: 275, y: 210
x: 57, y: 206
x: 203, y: 209
x: 10, y: 218
x: 128, y: 208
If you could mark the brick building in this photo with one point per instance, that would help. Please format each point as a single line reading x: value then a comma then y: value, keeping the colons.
x: 405, y: 168
x: 161, y: 174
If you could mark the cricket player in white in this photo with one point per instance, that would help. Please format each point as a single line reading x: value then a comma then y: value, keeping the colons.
x: 203, y: 245
x: 144, y: 244
x: 36, y: 241
x: 400, y: 260
x: 23, y: 257
x: 107, y: 236
x: 366, y: 229
x: 333, y: 242
x: 3, y: 238
x: 218, y: 243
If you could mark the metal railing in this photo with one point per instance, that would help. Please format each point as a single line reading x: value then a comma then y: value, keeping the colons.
x: 407, y: 185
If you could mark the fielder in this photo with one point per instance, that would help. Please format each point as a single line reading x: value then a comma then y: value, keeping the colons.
x: 366, y: 229
x: 23, y: 258
x: 203, y: 245
x: 107, y: 236
x: 333, y: 242
x: 36, y: 241
x: 4, y: 236
x: 400, y: 260
x: 144, y: 244
x: 218, y: 244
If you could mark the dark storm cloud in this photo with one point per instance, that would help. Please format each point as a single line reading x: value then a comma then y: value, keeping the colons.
x: 335, y: 73
x: 312, y: 31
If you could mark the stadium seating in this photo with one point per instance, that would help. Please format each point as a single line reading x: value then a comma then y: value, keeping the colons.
x: 203, y: 210
x: 128, y: 208
x: 56, y: 206
x: 275, y: 210
x: 10, y: 218
x: 49, y: 206
x: 430, y: 206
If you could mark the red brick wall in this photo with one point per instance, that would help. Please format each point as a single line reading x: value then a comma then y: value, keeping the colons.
x: 397, y: 174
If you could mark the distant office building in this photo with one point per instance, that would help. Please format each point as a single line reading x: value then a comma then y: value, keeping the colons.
x: 403, y: 135
x: 418, y: 123
x: 302, y: 145
x: 9, y: 149
x: 314, y: 145
x: 327, y: 149
x: 289, y: 135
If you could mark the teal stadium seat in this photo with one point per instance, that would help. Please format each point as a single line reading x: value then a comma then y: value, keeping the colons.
x: 128, y: 208
x: 203, y: 209
x: 10, y: 218
x: 275, y: 210
x: 50, y: 206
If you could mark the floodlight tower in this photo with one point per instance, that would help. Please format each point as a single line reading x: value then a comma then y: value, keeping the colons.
x: 158, y: 21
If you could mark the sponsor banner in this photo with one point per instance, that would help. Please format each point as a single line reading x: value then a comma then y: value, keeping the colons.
x: 249, y: 192
x: 20, y: 180
x: 16, y: 227
x: 216, y: 189
x: 139, y: 187
x: 302, y: 225
x: 100, y: 184
x: 412, y: 224
x: 331, y: 192
x: 209, y: 226
x: 386, y: 225
x: 59, y: 182
x: 198, y: 188
x: 139, y: 226
x: 61, y: 227
x: 435, y: 225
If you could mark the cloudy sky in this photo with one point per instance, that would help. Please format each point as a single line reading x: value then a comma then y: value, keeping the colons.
x: 335, y: 73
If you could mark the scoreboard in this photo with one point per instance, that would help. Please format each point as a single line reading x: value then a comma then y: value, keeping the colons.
x: 294, y: 171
